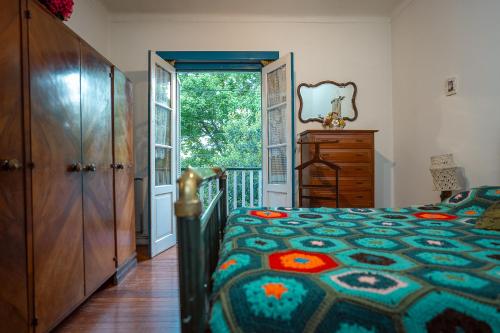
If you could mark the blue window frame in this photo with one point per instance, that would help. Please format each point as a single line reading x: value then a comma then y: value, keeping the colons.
x: 218, y: 60
x: 244, y: 61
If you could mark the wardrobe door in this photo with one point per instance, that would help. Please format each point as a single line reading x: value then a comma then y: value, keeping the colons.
x: 56, y: 178
x: 98, y: 214
x: 13, y: 273
x: 124, y: 170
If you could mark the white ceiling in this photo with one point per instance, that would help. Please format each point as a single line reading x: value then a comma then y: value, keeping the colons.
x: 309, y: 8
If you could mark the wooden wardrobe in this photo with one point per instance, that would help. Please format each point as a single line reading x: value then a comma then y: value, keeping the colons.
x: 65, y: 207
x: 123, y: 165
x: 354, y: 152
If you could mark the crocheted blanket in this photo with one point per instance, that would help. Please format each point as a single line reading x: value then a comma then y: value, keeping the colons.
x: 414, y: 269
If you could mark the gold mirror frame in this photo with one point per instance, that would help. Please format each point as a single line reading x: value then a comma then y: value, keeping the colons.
x: 342, y: 85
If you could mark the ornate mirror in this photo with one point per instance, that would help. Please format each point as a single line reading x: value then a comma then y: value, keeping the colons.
x: 317, y: 100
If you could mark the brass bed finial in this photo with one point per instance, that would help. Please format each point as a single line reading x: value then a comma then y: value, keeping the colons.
x: 188, y: 205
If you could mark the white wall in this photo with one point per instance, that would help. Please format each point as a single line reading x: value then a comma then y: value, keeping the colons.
x: 90, y: 20
x: 433, y: 40
x: 356, y: 50
x: 402, y: 74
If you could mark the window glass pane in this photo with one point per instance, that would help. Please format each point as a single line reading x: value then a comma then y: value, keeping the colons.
x: 163, y: 126
x: 277, y: 165
x: 163, y: 90
x: 163, y: 172
x: 276, y: 86
x: 276, y: 125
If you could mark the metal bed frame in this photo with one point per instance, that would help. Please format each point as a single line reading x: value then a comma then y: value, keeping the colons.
x: 199, y: 236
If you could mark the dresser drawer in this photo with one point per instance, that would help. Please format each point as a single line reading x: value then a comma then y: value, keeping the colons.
x: 350, y: 185
x: 346, y: 184
x: 346, y: 155
x: 339, y: 140
x: 356, y: 169
x: 357, y: 199
x: 359, y: 170
x: 319, y: 203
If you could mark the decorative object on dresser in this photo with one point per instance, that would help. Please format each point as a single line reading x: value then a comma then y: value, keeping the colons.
x: 327, y: 101
x: 444, y: 175
x: 353, y: 151
x: 57, y: 199
x: 334, y: 118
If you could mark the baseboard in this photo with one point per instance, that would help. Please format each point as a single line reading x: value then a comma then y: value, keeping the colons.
x: 126, y: 267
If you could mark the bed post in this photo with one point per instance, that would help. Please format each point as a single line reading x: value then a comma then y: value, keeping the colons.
x: 188, y: 210
x: 199, y: 236
x: 223, y: 202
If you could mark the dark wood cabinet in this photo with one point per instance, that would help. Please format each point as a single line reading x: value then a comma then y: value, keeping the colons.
x: 57, y: 176
x: 123, y: 156
x: 98, y: 216
x: 14, y: 312
x: 354, y: 152
x: 56, y: 145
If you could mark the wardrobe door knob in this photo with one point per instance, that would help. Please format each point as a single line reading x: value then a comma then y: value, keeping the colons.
x: 91, y: 167
x: 10, y: 165
x: 75, y: 167
x: 117, y: 166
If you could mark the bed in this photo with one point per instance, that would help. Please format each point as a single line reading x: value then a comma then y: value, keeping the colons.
x: 414, y: 269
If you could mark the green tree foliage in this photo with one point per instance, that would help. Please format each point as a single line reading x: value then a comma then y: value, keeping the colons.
x: 220, y: 119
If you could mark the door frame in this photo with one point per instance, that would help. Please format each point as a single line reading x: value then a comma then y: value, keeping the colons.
x: 241, y: 61
x: 151, y: 153
x: 285, y: 60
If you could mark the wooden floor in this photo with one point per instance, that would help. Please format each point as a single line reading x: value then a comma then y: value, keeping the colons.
x: 145, y: 301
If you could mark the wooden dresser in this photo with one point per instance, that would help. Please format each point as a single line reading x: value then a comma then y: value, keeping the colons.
x: 354, y: 152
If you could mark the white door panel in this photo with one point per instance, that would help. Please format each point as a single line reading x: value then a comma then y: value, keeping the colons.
x: 163, y: 153
x: 163, y: 206
x: 278, y: 199
x: 277, y: 133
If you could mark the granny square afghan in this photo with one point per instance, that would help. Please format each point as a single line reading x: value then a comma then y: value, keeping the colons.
x: 414, y: 269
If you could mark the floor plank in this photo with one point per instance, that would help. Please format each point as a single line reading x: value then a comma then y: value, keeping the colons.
x: 146, y: 301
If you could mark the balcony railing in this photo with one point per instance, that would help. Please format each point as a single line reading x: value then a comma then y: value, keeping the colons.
x: 244, y: 188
